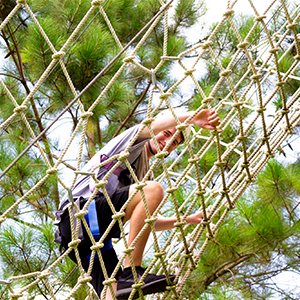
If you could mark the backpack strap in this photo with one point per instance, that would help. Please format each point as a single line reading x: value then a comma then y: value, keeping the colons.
x: 92, y: 221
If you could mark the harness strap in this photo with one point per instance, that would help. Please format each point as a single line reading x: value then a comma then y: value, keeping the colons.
x: 110, y: 164
x: 107, y: 246
x: 92, y: 221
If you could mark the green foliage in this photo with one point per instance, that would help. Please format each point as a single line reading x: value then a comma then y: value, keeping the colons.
x: 6, y: 105
x: 265, y: 225
x: 26, y: 243
x: 259, y: 233
x: 187, y: 12
x: 24, y: 250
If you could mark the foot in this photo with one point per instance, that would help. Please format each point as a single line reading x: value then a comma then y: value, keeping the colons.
x: 152, y: 283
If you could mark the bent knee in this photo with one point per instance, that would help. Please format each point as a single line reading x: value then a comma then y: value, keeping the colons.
x: 155, y: 188
x: 152, y: 190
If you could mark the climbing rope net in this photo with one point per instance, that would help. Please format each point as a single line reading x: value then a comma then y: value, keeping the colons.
x: 180, y: 252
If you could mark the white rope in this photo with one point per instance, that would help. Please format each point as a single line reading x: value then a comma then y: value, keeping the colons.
x: 181, y: 252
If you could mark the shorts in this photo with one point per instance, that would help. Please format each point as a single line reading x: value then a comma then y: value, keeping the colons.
x: 104, y: 214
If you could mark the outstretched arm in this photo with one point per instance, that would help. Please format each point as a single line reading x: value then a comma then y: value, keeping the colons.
x: 162, y: 223
x: 206, y: 119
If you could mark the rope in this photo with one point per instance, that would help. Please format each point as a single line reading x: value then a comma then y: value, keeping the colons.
x: 181, y: 252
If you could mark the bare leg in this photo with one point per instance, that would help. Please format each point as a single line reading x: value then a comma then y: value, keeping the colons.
x: 136, y: 212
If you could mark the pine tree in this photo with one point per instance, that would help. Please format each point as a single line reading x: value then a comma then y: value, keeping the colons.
x: 26, y: 240
x: 259, y: 239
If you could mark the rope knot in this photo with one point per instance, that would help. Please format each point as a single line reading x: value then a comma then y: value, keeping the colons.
x: 162, y: 154
x: 188, y: 255
x: 193, y: 160
x: 261, y: 110
x: 206, y: 45
x: 129, y: 250
x: 243, y: 45
x: 251, y: 179
x: 141, y: 185
x: 20, y: 108
x: 123, y: 155
x: 153, y: 78
x: 21, y: 1
x: 225, y: 73
x: 181, y: 127
x: 2, y: 219
x: 97, y: 246
x: 128, y: 59
x: 179, y: 224
x: 271, y: 154
x: 230, y: 206
x: 58, y: 55
x: 100, y: 184
x: 138, y: 285
x: 245, y: 164
x: 259, y: 18
x: 81, y: 214
x: 172, y: 189
x: 256, y: 76
x: 84, y: 279
x: 97, y: 2
x: 170, y: 58
x: 189, y: 72
x: 297, y: 57
x: 206, y: 222
x: 219, y: 163
x: 228, y: 13
x: 165, y: 95
x: 241, y: 137
x: 200, y: 192
x: 225, y: 191
x: 52, y: 171
x: 160, y: 253
x: 44, y: 274
x: 74, y: 243
x: 207, y: 100
x: 148, y: 121
x: 151, y: 220
x: 237, y: 104
x: 86, y: 114
x: 118, y: 216
x: 274, y: 50
x: 109, y: 281
x: 292, y: 25
x: 209, y: 237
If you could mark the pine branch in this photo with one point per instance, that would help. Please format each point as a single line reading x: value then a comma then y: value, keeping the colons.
x: 41, y: 208
x: 19, y: 65
x: 133, y: 109
x: 10, y: 75
x: 225, y: 268
x: 23, y: 222
x: 38, y: 206
x: 53, y: 155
